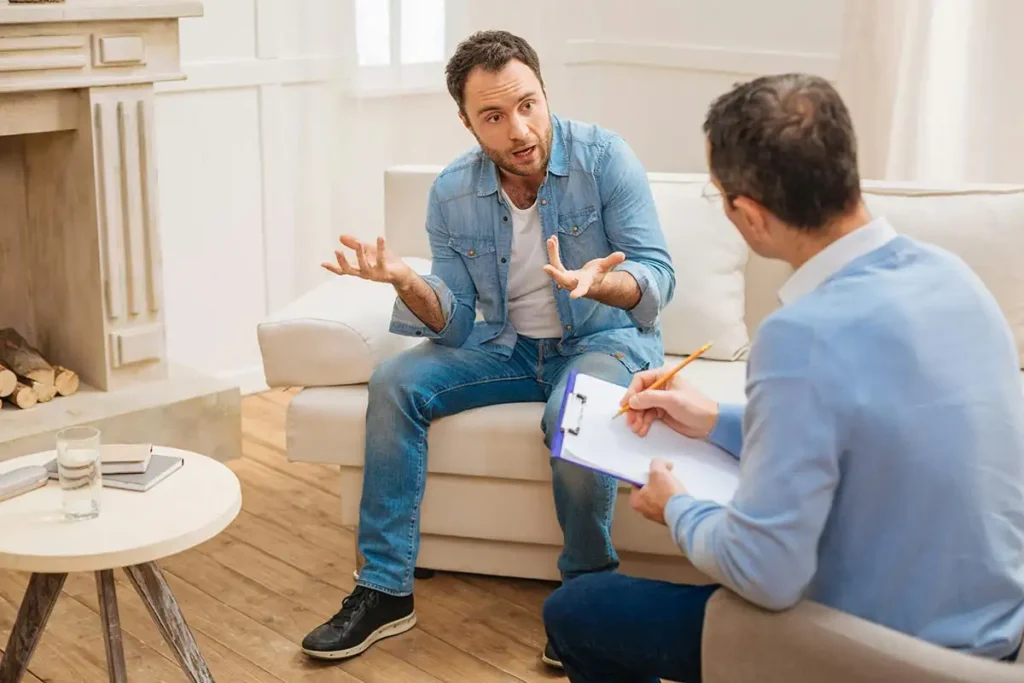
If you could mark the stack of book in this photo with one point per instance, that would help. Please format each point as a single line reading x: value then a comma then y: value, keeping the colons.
x: 134, y: 467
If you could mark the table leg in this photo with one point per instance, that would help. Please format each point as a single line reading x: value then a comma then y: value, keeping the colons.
x: 111, y: 626
x: 40, y: 597
x: 151, y: 585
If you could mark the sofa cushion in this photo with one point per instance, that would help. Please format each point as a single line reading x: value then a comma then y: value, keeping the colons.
x: 709, y: 257
x: 327, y: 424
x: 335, y: 334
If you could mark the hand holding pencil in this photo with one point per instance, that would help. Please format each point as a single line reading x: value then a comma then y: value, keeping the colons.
x: 660, y: 394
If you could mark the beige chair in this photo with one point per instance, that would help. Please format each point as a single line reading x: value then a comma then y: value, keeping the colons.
x: 493, y: 460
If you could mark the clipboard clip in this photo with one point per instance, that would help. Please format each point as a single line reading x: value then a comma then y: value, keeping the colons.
x: 573, y: 417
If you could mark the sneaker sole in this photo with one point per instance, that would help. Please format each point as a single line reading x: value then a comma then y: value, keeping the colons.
x: 386, y: 631
x: 550, y: 662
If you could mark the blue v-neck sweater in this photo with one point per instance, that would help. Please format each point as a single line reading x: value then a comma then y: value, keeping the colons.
x: 882, y: 456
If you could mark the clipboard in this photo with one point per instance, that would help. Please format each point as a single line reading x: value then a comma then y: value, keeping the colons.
x: 588, y: 437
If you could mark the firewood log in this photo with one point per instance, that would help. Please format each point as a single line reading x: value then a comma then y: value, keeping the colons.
x: 44, y: 392
x: 23, y: 396
x: 21, y: 357
x: 66, y: 381
x: 8, y: 380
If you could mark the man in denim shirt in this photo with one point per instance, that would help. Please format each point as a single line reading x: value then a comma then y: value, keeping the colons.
x: 548, y: 228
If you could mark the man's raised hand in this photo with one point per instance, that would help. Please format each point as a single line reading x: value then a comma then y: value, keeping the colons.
x: 372, y: 262
x: 583, y: 281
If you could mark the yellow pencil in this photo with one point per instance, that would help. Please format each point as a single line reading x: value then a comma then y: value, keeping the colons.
x: 661, y: 382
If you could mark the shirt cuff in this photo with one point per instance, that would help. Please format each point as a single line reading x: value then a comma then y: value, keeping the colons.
x: 674, y: 511
x: 405, y: 322
x: 645, y: 313
x: 727, y: 433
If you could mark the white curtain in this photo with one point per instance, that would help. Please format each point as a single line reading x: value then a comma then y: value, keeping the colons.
x: 933, y: 86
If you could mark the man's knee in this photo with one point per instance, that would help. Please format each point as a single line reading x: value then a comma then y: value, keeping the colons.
x: 565, y: 610
x: 581, y: 485
x: 549, y: 423
x: 402, y: 376
x: 559, y: 613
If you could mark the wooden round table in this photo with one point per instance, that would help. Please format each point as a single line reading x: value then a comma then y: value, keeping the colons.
x: 133, y: 530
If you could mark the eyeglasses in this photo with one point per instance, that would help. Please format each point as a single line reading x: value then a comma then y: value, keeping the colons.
x: 713, y: 194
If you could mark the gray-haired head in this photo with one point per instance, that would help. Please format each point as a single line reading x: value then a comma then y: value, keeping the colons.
x: 786, y: 142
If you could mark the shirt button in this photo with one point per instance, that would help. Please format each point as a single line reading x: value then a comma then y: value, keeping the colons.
x: 575, y: 229
x: 505, y: 218
x: 544, y: 202
x: 472, y: 253
x: 568, y: 327
x: 502, y: 259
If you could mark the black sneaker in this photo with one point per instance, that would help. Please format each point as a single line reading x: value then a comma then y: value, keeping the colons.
x: 366, y: 616
x: 550, y: 657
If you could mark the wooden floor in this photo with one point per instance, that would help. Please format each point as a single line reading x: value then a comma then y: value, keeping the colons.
x: 281, y: 568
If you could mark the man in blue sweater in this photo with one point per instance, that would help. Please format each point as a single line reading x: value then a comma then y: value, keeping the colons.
x: 882, y: 443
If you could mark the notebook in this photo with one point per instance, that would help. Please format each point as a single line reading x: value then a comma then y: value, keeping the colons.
x: 125, y: 458
x: 589, y: 437
x: 160, y: 467
x: 118, y: 459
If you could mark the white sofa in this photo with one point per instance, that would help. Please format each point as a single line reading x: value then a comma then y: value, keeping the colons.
x: 488, y: 506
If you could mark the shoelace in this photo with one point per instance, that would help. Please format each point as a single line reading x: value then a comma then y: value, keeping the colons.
x: 353, y: 604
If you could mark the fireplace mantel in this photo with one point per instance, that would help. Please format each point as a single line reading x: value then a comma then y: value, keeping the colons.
x: 80, y: 257
x: 97, y: 10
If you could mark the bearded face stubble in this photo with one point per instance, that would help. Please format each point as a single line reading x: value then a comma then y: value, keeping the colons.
x: 506, y: 160
x: 507, y: 113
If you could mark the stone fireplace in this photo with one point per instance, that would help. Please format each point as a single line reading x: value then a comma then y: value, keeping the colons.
x: 80, y: 258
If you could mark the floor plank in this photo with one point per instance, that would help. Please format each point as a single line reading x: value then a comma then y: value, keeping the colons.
x: 282, y: 567
x: 72, y: 644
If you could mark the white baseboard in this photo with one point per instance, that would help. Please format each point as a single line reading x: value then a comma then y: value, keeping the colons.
x: 249, y: 380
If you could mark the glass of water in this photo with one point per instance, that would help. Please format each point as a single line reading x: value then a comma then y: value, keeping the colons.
x: 78, y: 469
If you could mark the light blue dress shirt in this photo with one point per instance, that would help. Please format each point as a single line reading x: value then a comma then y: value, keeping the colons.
x: 881, y: 451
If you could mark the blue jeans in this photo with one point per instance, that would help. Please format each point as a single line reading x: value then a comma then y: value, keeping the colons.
x: 620, y: 629
x: 429, y: 382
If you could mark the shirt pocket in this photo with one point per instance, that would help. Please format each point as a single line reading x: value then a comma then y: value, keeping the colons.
x: 581, y: 237
x: 479, y: 256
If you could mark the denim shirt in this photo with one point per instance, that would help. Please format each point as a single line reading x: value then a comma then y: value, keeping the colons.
x: 597, y: 200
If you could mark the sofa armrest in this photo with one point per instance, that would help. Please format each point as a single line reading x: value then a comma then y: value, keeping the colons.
x: 336, y: 334
x: 810, y: 643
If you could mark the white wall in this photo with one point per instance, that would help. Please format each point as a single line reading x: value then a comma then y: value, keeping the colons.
x: 265, y: 157
x: 251, y: 155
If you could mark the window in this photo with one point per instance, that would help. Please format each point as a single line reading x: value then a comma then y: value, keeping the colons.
x: 400, y: 45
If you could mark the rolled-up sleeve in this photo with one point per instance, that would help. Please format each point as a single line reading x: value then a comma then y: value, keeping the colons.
x: 631, y: 223
x: 450, y: 281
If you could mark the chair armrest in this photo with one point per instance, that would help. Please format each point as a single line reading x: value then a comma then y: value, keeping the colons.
x: 810, y: 643
x: 336, y: 334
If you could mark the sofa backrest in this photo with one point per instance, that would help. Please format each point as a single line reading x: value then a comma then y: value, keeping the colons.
x: 724, y: 290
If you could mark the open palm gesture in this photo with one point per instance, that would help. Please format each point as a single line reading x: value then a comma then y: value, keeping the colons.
x: 373, y: 262
x: 579, y: 282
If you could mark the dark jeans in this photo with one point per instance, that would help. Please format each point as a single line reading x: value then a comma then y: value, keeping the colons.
x: 613, y: 628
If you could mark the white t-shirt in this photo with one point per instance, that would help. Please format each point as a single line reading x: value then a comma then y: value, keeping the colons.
x: 531, y: 299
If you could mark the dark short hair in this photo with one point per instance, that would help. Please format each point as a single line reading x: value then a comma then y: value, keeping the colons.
x: 491, y: 50
x: 788, y: 143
